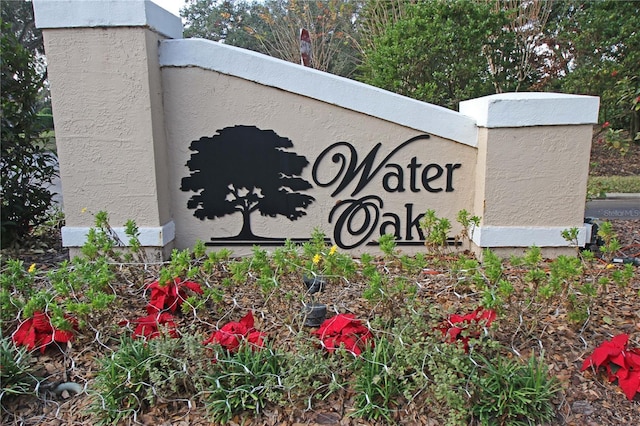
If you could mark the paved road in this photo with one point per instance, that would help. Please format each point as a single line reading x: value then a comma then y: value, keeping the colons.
x: 624, y: 207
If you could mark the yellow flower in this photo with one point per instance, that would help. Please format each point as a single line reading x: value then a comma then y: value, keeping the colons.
x: 610, y: 266
x: 333, y: 250
x: 84, y: 210
x: 32, y: 268
x: 316, y: 259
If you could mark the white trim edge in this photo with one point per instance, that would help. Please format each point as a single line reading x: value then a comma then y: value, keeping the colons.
x: 526, y: 236
x: 157, y: 236
x: 106, y: 13
x: 325, y: 87
x: 532, y: 109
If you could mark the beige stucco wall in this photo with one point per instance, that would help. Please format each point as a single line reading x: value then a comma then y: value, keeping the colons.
x: 532, y: 176
x: 106, y: 99
x: 199, y: 102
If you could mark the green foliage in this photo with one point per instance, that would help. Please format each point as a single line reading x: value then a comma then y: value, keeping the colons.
x: 377, y: 384
x: 598, y: 186
x: 496, y: 290
x: 103, y: 242
x: 411, y: 364
x: 140, y: 372
x: 512, y: 393
x: 243, y: 381
x: 434, y: 52
x: 436, y: 230
x: 25, y: 166
x: 468, y: 222
x: 17, y: 375
x: 232, y: 22
x: 308, y: 374
x: 387, y: 244
x: 604, y: 44
x: 16, y: 287
x: 273, y: 27
x: 122, y: 383
x: 611, y: 244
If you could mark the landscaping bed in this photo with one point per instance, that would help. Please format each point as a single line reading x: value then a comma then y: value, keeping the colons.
x: 428, y: 337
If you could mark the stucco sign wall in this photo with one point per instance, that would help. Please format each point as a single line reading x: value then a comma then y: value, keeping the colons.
x: 196, y: 140
x: 244, y: 171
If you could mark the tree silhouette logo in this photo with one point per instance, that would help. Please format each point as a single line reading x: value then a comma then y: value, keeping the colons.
x: 245, y: 169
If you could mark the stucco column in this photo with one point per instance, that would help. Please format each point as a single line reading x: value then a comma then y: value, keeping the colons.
x: 106, y: 94
x: 532, y: 169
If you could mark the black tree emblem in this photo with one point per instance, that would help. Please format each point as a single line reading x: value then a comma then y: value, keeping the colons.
x: 244, y: 169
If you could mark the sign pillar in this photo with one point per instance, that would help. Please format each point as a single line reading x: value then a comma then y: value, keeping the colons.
x: 532, y: 169
x: 106, y: 93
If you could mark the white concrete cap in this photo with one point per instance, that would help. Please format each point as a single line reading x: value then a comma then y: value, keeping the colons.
x: 319, y: 85
x: 106, y: 13
x: 525, y: 109
x: 160, y: 236
x: 525, y: 236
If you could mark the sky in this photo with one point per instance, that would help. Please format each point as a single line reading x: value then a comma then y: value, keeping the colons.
x: 172, y: 6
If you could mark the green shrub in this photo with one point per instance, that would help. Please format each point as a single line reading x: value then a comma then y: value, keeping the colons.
x: 242, y: 381
x: 25, y: 167
x: 139, y: 373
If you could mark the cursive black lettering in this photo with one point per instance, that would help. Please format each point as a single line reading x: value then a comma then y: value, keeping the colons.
x: 360, y: 219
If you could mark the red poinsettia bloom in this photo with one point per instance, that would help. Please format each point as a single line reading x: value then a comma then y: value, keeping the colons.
x: 453, y: 327
x: 37, y: 332
x: 233, y: 333
x: 170, y: 295
x: 620, y: 363
x: 344, y: 330
x: 149, y: 327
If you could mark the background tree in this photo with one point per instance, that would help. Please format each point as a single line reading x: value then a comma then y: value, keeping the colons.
x: 331, y: 27
x: 434, y: 52
x: 245, y: 169
x: 237, y: 23
x: 602, y: 39
x: 374, y: 19
x: 517, y: 55
x: 25, y: 165
x: 273, y: 27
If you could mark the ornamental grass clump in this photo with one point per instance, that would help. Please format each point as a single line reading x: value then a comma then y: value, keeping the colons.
x: 242, y: 380
x: 17, y: 373
x: 511, y: 393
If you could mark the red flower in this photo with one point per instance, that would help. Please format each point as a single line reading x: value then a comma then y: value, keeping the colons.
x: 37, y: 331
x: 233, y: 333
x: 619, y: 362
x: 614, y: 73
x: 344, y: 329
x: 170, y: 295
x: 148, y: 327
x: 453, y: 327
x: 606, y: 124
